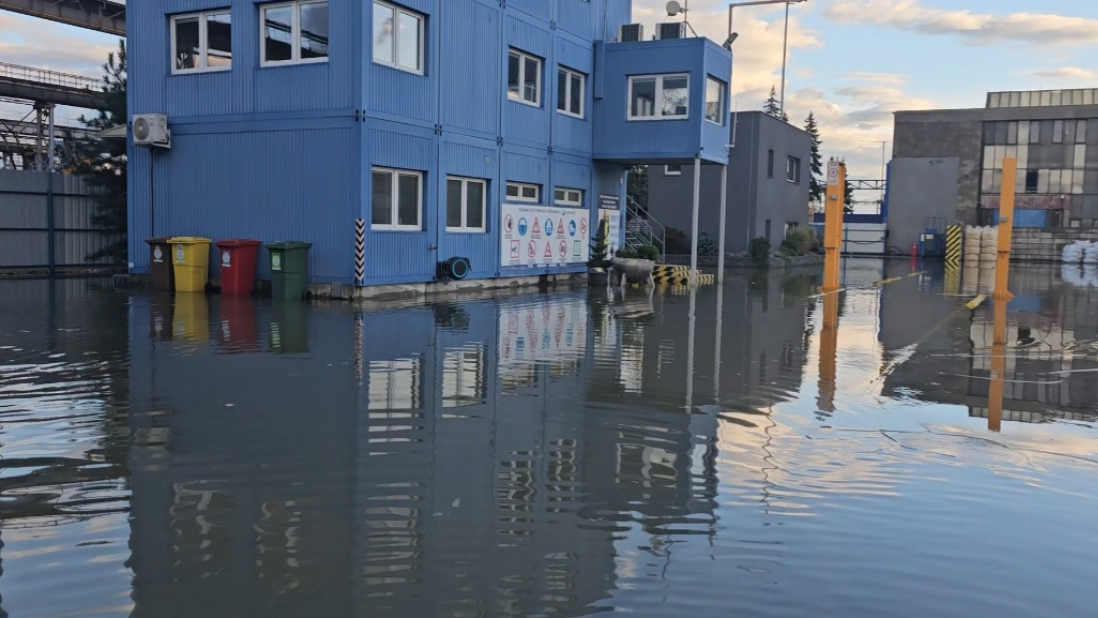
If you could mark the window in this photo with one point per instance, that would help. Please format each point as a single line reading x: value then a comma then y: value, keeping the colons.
x: 659, y: 97
x: 1058, y: 132
x: 769, y: 163
x: 524, y: 78
x: 793, y: 169
x: 464, y: 376
x: 564, y: 196
x: 570, y: 91
x: 397, y: 200
x: 714, y: 100
x: 294, y: 32
x: 202, y: 42
x: 1081, y: 132
x: 395, y: 384
x: 523, y: 192
x: 672, y: 170
x: 398, y: 37
x: 1031, y: 181
x: 1035, y: 132
x: 466, y: 201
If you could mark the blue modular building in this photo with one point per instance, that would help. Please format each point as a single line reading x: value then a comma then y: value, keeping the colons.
x: 496, y: 131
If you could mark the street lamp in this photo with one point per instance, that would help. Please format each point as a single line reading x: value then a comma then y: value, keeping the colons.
x: 785, y: 36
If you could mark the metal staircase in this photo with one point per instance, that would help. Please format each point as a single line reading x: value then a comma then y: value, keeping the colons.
x: 641, y: 228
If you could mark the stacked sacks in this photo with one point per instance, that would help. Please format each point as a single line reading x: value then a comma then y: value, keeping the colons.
x: 972, y: 245
x: 1075, y: 252
x: 1090, y: 254
x: 989, y: 244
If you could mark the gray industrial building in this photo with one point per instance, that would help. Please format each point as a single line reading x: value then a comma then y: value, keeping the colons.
x: 768, y: 185
x: 947, y: 164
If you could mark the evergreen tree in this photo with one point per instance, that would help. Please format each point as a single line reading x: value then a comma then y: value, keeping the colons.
x: 102, y: 162
x: 638, y: 185
x: 771, y: 106
x: 848, y: 197
x: 816, y: 189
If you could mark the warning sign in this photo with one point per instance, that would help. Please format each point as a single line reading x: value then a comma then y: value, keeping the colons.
x: 533, y: 235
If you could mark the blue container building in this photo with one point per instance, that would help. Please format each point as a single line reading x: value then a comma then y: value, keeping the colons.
x: 437, y: 123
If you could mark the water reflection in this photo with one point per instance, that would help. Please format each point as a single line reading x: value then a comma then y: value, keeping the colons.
x: 751, y: 448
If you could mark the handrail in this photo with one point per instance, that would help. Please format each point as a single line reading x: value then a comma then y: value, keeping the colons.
x: 50, y: 78
x: 656, y: 232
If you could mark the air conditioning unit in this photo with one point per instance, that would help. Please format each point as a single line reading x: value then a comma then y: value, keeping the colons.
x: 631, y: 33
x: 671, y: 30
x: 151, y: 130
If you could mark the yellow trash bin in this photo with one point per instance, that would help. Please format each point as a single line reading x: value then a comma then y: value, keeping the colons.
x: 191, y: 262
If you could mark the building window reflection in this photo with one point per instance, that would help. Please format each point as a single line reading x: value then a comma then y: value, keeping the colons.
x: 396, y: 384
x: 464, y: 377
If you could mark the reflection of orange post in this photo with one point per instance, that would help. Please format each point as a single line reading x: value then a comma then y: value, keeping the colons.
x: 1006, y: 229
x: 833, y: 223
x: 998, y: 368
x: 829, y: 351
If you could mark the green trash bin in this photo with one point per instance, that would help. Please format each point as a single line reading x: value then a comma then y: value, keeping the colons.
x: 289, y: 269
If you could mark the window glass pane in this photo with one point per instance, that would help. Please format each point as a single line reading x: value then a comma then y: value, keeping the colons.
x: 562, y: 90
x: 1000, y: 133
x: 989, y: 133
x: 1056, y: 98
x: 529, y: 192
x: 219, y: 40
x: 187, y: 53
x: 676, y: 96
x: 1081, y: 132
x: 530, y: 80
x: 1012, y: 133
x: 643, y: 103
x: 1023, y: 156
x: 985, y: 184
x: 314, y: 30
x: 408, y: 54
x: 453, y: 203
x: 714, y: 92
x: 1035, y: 132
x: 672, y: 170
x: 475, y: 205
x: 512, y: 190
x: 989, y: 157
x: 514, y: 67
x: 1077, y: 182
x: 1023, y: 132
x: 278, y: 33
x: 1015, y: 99
x: 1042, y: 181
x: 1046, y: 98
x: 769, y: 163
x: 575, y: 95
x: 1080, y: 156
x: 1076, y: 97
x: 381, y: 203
x: 559, y: 194
x: 1031, y: 181
x: 1058, y: 132
x: 1025, y: 99
x: 994, y: 102
x: 1088, y: 97
x: 408, y: 205
x: 383, y: 33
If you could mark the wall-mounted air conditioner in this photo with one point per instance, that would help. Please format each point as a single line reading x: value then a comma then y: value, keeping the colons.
x: 151, y: 130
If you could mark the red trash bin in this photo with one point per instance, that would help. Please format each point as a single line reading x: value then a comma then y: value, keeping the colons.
x: 238, y: 260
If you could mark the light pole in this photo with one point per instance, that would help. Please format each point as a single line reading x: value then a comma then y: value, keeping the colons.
x: 785, y: 36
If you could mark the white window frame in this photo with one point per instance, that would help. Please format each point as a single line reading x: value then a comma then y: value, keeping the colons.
x: 520, y: 192
x: 203, y: 42
x: 422, y: 19
x: 569, y: 74
x: 721, y: 89
x: 464, y: 228
x: 667, y: 171
x: 295, y: 34
x: 658, y: 105
x: 394, y: 201
x: 568, y: 196
x: 793, y: 164
x: 523, y: 57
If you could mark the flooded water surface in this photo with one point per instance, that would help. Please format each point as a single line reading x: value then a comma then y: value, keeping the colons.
x: 756, y: 449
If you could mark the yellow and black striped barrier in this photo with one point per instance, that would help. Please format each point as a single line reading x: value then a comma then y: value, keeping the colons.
x: 952, y: 280
x: 670, y: 269
x: 954, y: 241
x: 683, y: 278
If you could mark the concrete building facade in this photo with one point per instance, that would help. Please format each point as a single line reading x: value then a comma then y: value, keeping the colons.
x: 436, y: 123
x: 768, y: 185
x: 1052, y: 134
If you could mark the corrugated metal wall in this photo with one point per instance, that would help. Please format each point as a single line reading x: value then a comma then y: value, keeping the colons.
x: 24, y: 220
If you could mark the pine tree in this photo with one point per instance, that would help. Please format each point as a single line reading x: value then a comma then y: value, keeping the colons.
x: 102, y: 162
x: 771, y: 106
x: 815, y: 183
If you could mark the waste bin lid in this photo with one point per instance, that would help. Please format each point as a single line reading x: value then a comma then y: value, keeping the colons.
x: 289, y: 244
x: 188, y: 240
x: 237, y: 242
x: 159, y: 240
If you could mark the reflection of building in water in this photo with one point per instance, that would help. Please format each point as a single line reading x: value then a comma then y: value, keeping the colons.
x: 449, y: 479
x: 1051, y: 335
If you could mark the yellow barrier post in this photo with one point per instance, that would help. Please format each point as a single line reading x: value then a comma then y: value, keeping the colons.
x: 829, y: 353
x: 833, y: 223
x: 1006, y: 229
x: 998, y: 367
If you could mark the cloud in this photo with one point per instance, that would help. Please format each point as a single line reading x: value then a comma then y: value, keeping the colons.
x: 47, y: 45
x: 972, y: 28
x: 1065, y: 73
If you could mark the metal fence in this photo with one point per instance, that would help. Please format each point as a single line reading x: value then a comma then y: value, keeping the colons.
x: 28, y: 232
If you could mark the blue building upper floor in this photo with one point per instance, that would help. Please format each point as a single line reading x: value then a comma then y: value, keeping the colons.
x: 544, y: 74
